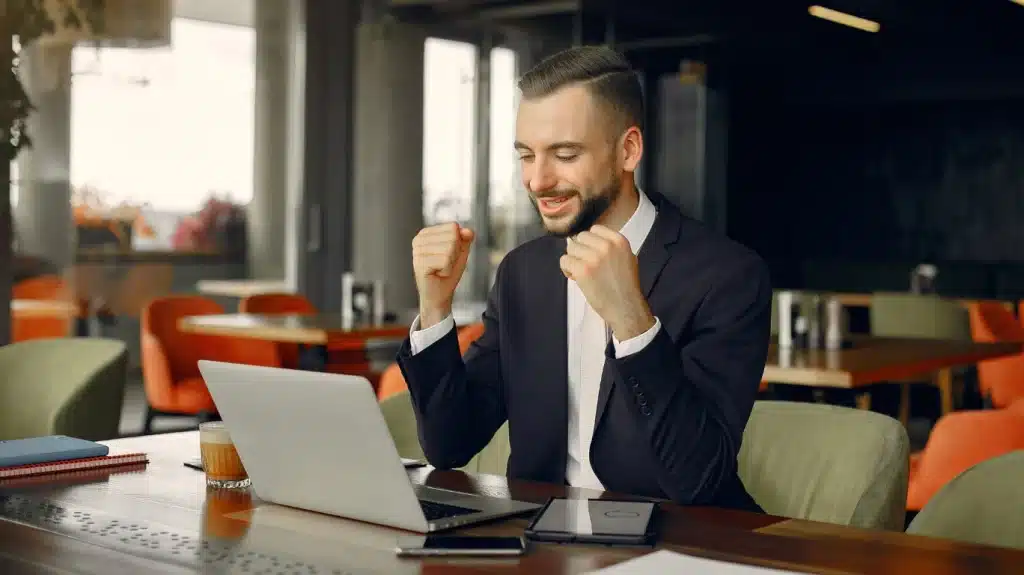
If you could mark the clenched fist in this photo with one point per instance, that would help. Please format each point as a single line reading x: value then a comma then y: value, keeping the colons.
x: 439, y: 256
x: 602, y: 264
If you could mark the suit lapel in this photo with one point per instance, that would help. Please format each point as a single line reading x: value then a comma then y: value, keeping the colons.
x: 651, y: 260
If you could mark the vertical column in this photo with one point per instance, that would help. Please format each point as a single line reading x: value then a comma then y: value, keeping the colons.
x: 690, y: 162
x: 479, y: 271
x: 267, y: 210
x: 6, y: 217
x: 325, y: 58
x: 295, y: 148
x: 43, y: 223
x: 388, y: 165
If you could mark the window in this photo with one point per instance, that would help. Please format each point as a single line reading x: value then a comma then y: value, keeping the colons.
x: 506, y: 197
x: 449, y: 109
x: 165, y: 128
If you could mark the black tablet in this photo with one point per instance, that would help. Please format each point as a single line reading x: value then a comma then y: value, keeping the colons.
x: 602, y: 521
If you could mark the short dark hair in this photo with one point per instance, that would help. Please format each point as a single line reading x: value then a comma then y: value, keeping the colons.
x: 605, y: 72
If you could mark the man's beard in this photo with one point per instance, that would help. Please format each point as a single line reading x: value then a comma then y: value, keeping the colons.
x: 591, y: 210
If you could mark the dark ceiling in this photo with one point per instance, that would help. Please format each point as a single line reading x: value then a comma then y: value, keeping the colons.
x: 960, y: 23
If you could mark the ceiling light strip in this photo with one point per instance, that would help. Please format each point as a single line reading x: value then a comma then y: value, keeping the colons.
x: 845, y: 19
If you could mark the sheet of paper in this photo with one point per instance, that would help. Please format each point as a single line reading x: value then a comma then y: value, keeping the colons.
x: 672, y: 562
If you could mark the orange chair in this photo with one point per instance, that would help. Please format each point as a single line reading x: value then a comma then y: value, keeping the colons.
x: 271, y: 303
x: 170, y: 372
x: 279, y: 303
x: 958, y: 441
x: 46, y: 287
x: 1000, y: 380
x: 392, y: 381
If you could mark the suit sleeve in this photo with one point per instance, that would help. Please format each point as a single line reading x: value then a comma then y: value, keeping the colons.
x: 692, y: 399
x: 458, y: 400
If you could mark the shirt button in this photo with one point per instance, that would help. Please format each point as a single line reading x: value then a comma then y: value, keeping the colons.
x: 645, y: 410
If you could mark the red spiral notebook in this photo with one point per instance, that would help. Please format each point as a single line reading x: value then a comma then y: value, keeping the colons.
x: 73, y: 465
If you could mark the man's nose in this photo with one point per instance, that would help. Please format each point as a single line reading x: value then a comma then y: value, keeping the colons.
x: 540, y: 178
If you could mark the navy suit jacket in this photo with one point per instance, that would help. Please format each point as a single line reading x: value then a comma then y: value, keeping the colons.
x: 670, y: 418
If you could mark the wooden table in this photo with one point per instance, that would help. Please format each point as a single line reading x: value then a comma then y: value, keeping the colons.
x: 864, y: 300
x: 315, y: 333
x: 874, y: 359
x: 242, y: 288
x: 163, y: 519
x: 43, y: 308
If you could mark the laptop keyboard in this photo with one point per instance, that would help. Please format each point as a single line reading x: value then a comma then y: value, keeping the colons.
x: 434, y: 511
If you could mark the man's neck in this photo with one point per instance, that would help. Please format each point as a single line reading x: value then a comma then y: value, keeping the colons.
x: 623, y: 208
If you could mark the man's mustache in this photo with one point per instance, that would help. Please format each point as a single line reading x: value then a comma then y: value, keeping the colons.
x: 555, y: 194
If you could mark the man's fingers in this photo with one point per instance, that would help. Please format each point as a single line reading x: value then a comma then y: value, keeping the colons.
x: 609, y: 235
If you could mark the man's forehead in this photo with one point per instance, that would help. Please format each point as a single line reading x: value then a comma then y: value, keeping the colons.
x: 566, y: 113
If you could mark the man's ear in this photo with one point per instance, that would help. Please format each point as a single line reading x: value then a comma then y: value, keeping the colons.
x: 632, y: 148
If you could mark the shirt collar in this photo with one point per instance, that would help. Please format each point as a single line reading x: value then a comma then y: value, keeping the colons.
x: 639, y: 225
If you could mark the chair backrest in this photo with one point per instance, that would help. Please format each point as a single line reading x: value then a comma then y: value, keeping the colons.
x: 276, y: 303
x: 41, y: 287
x: 921, y: 316
x: 1002, y: 380
x: 160, y: 318
x: 45, y: 287
x: 958, y: 441
x: 65, y: 386
x: 826, y: 463
x: 401, y: 421
x: 984, y: 504
x: 279, y: 303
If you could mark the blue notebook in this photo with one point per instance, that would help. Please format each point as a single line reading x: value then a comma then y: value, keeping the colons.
x: 48, y: 449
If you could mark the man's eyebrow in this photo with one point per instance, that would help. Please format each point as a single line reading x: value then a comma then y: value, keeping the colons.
x: 564, y: 145
x: 554, y: 146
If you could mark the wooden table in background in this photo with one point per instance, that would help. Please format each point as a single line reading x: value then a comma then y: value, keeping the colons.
x: 242, y: 288
x: 43, y: 308
x: 874, y: 359
x: 163, y: 519
x: 864, y: 300
x: 315, y: 334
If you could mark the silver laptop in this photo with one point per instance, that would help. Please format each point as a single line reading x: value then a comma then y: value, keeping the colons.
x: 318, y: 441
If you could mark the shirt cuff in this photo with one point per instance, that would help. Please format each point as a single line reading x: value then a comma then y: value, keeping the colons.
x: 421, y: 339
x: 635, y: 344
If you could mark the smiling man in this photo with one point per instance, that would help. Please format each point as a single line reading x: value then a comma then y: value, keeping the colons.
x: 626, y: 347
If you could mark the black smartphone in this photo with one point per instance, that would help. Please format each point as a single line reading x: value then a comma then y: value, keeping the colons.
x: 450, y: 545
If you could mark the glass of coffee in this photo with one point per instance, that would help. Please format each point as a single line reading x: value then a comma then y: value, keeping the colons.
x: 221, y: 463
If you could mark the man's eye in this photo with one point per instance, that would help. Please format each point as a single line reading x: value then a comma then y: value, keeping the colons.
x: 567, y: 157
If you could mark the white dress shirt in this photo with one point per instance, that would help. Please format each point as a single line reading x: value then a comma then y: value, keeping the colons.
x: 588, y: 337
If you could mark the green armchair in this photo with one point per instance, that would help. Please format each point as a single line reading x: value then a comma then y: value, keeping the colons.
x: 827, y: 463
x: 62, y: 386
x: 984, y: 505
